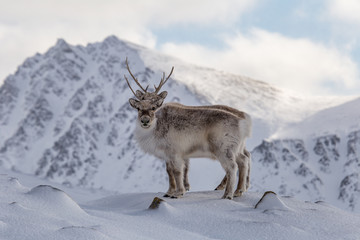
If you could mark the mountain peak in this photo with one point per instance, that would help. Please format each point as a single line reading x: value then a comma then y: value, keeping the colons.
x: 61, y: 43
x: 112, y: 39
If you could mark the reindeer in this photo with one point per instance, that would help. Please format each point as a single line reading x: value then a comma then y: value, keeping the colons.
x: 174, y: 133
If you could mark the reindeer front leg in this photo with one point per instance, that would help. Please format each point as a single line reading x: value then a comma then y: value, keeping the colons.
x: 175, y: 170
x: 177, y: 166
x: 172, y: 183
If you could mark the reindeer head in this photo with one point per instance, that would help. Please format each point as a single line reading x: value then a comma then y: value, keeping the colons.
x: 147, y: 102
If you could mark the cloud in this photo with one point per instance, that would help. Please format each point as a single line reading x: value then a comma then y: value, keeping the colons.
x: 27, y: 27
x: 132, y: 19
x: 143, y: 12
x: 296, y: 64
x: 346, y: 11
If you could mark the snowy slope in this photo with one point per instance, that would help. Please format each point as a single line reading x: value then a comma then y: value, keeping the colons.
x: 340, y: 119
x: 317, y: 158
x: 64, y: 115
x: 47, y: 212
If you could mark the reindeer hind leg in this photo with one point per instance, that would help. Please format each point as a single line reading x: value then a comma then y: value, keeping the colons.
x: 186, y: 171
x: 229, y: 164
x: 222, y: 184
x: 248, y: 154
x: 242, y: 161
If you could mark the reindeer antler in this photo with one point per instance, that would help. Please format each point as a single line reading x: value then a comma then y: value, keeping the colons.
x: 163, y: 81
x: 130, y: 86
x: 136, y: 81
x: 157, y: 89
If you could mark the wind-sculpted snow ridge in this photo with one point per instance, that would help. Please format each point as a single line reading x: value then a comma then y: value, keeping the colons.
x: 64, y: 116
x: 46, y: 212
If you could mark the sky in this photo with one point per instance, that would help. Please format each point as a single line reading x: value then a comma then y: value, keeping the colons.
x: 307, y: 47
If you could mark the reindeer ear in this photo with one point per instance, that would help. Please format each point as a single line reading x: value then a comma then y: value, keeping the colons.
x: 159, y: 102
x: 139, y: 94
x: 134, y: 103
x: 163, y: 94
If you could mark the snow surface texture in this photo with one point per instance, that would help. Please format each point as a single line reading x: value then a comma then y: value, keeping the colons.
x: 46, y: 212
x: 64, y: 115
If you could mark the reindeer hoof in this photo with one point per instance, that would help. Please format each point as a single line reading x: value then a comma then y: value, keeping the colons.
x: 178, y: 195
x: 169, y: 195
x: 174, y: 196
x: 227, y: 197
x: 238, y: 193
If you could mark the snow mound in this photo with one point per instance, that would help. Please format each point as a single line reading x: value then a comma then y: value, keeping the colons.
x: 39, y: 213
x: 270, y: 201
x: 55, y: 200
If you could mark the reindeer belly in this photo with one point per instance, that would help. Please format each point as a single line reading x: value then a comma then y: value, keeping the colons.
x: 191, y: 144
x: 201, y: 154
x: 199, y: 151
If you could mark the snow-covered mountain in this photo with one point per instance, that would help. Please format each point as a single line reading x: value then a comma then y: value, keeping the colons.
x: 64, y: 115
x: 318, y: 158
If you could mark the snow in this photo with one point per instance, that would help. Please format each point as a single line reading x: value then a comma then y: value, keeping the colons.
x: 87, y: 99
x: 44, y: 211
x: 334, y: 120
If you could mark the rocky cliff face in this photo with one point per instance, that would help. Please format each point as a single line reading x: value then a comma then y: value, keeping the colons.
x: 350, y: 184
x: 320, y: 168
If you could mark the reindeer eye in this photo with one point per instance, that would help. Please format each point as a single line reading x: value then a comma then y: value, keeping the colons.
x: 153, y: 108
